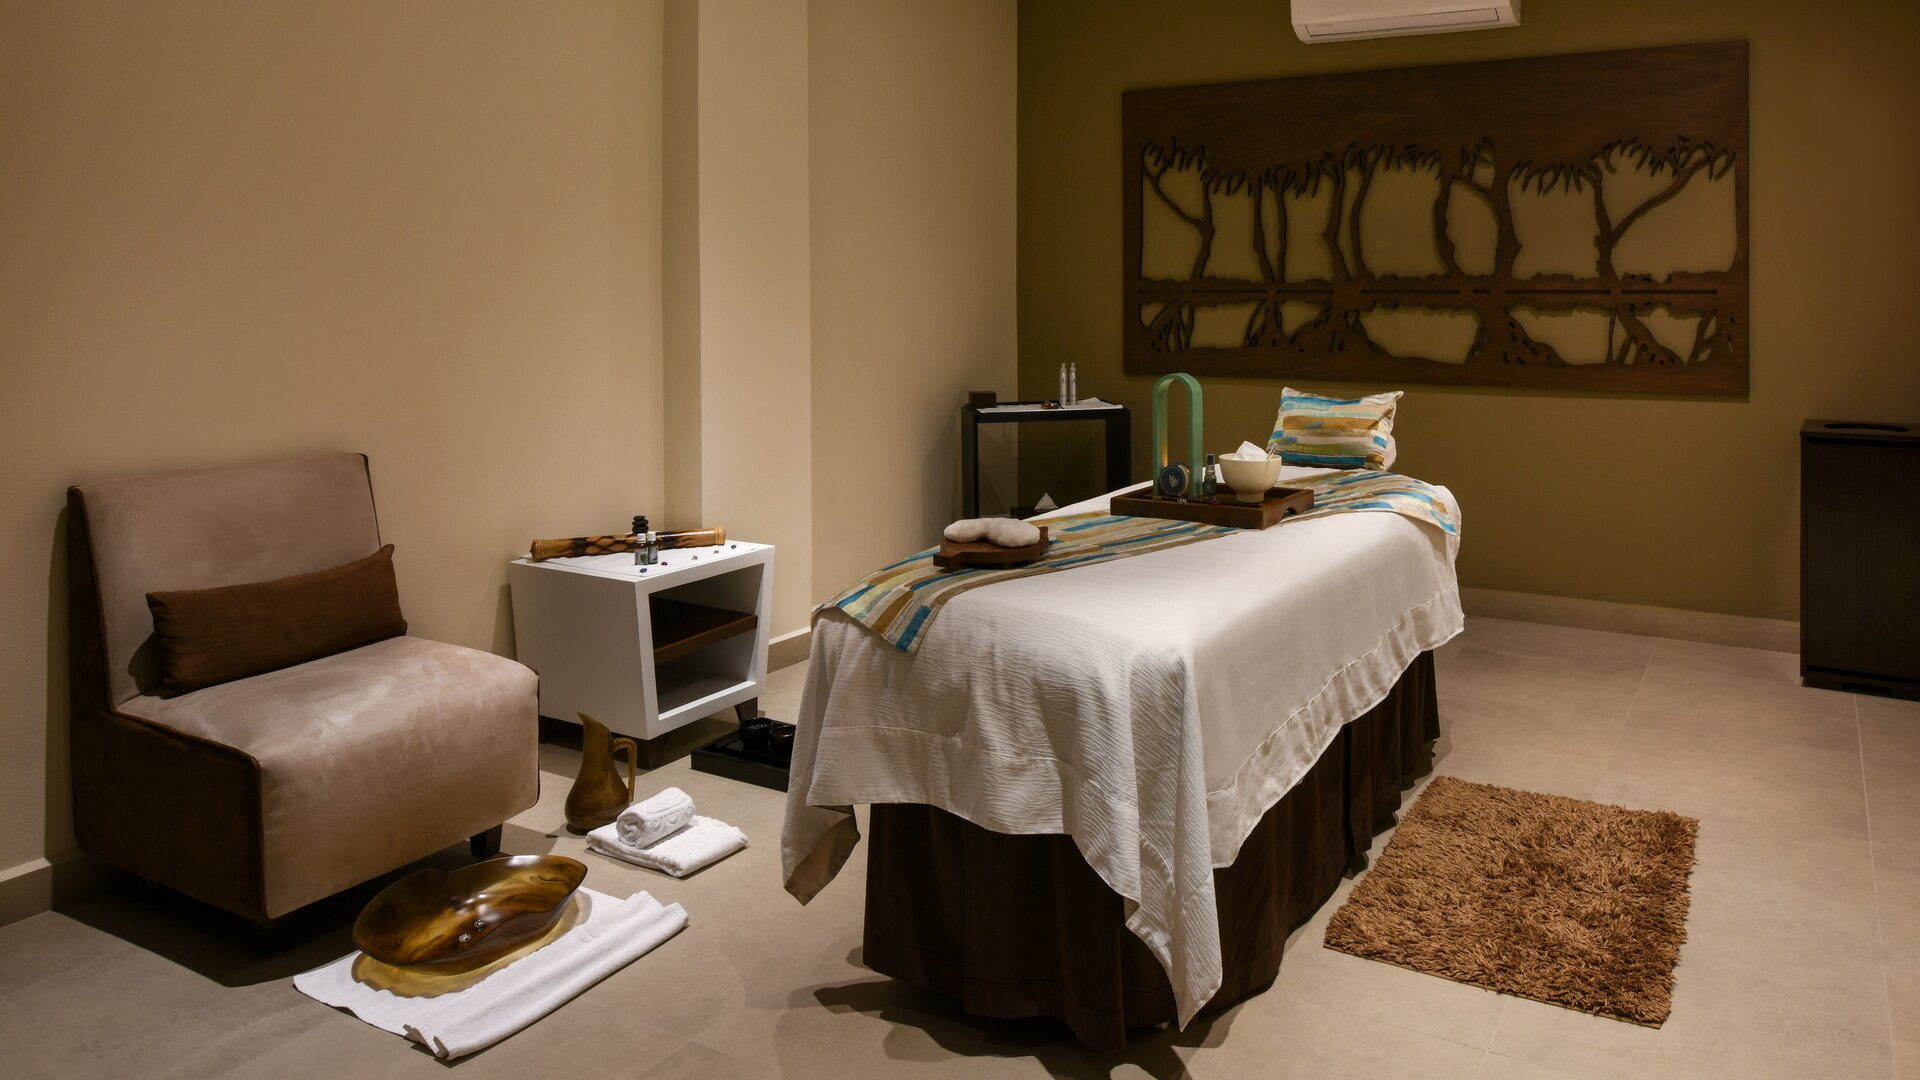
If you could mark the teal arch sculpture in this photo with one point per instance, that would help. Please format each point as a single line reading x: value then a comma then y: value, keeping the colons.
x: 1195, y: 433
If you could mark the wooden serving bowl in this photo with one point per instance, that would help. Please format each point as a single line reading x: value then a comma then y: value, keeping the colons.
x: 436, y: 917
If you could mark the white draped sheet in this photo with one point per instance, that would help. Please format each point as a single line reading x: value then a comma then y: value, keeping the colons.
x: 1153, y: 708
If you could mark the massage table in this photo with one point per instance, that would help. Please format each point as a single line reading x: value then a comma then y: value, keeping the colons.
x: 1106, y: 794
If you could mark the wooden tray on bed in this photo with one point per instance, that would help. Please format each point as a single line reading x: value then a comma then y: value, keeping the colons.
x: 1223, y: 510
x: 953, y: 556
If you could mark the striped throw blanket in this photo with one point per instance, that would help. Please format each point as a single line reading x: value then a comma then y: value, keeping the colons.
x: 1368, y: 489
x: 898, y: 602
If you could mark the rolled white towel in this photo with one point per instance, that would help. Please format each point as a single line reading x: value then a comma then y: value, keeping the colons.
x: 700, y: 844
x: 1001, y: 531
x: 654, y: 818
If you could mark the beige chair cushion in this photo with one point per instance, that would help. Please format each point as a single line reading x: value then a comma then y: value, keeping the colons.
x: 370, y: 758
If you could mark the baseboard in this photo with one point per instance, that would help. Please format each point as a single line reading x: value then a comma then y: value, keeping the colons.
x: 39, y: 885
x: 789, y: 649
x: 1746, y: 631
x: 25, y: 890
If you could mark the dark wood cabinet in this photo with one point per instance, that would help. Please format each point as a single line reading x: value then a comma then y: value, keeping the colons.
x: 1860, y: 557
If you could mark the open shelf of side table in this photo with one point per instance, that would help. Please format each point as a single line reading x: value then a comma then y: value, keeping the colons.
x: 680, y: 628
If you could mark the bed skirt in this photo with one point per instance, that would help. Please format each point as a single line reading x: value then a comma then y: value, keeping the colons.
x: 1016, y: 926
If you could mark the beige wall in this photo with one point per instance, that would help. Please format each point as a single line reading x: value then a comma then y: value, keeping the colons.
x: 739, y: 359
x: 913, y: 178
x: 428, y: 231
x: 441, y: 233
x: 1678, y: 503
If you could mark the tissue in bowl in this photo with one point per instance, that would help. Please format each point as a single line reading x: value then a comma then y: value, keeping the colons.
x: 1250, y: 477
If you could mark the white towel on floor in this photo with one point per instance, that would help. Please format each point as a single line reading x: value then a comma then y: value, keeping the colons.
x: 702, y: 843
x: 612, y: 934
x: 655, y: 818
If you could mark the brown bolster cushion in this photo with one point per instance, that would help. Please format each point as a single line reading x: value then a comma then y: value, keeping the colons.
x: 210, y: 636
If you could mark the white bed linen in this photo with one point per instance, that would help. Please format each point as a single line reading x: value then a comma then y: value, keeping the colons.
x: 1153, y: 708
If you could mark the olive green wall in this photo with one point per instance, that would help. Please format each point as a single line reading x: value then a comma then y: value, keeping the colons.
x: 1632, y: 498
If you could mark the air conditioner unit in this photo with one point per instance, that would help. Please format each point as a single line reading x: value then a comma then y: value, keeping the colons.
x: 1318, y: 21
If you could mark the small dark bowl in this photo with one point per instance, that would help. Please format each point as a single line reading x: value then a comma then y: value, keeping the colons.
x: 780, y: 742
x: 436, y: 917
x: 753, y: 733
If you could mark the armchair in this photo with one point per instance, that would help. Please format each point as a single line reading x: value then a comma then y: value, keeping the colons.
x: 263, y: 794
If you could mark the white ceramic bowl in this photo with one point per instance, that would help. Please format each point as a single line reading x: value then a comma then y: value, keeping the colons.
x: 1250, y: 479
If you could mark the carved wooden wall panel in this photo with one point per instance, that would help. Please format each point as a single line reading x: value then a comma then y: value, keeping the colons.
x: 1570, y: 222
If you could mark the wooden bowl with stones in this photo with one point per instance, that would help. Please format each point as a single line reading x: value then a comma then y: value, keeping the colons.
x: 437, y: 917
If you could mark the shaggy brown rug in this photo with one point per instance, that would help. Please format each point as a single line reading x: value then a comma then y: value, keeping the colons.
x: 1561, y: 900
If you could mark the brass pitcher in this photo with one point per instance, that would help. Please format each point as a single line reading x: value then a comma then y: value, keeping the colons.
x: 597, y: 796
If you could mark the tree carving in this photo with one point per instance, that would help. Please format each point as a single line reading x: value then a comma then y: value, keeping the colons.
x: 1471, y: 153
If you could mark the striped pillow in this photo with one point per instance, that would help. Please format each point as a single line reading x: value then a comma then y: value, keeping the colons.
x: 1334, y: 433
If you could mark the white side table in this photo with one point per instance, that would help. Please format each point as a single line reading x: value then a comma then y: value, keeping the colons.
x: 645, y: 650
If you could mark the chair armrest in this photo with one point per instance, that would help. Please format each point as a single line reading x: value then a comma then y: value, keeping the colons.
x: 171, y: 807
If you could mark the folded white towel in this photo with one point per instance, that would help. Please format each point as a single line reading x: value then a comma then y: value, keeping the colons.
x: 1001, y: 531
x: 655, y: 818
x: 612, y: 934
x: 702, y: 843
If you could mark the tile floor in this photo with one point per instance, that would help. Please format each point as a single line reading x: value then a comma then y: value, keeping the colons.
x: 1802, y: 958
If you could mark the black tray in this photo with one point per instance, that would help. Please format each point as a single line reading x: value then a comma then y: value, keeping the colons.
x: 730, y: 757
